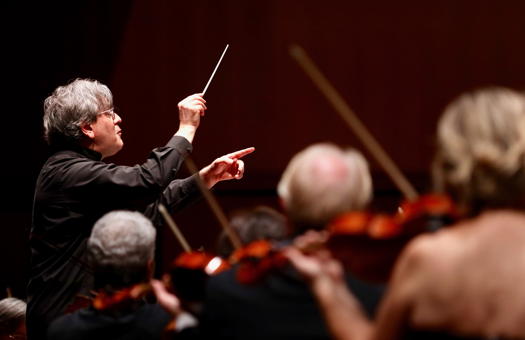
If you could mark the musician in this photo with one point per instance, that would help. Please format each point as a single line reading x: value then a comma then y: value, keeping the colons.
x: 318, y: 184
x: 75, y: 188
x: 121, y: 253
x: 259, y: 223
x: 12, y: 319
x: 463, y: 281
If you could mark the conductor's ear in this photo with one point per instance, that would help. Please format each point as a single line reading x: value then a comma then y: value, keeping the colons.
x: 87, y: 130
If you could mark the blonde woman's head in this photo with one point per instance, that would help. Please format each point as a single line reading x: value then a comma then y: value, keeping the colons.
x: 481, y: 149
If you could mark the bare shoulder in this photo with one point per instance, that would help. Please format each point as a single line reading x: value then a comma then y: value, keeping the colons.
x: 412, y: 273
x: 426, y: 258
x: 423, y: 250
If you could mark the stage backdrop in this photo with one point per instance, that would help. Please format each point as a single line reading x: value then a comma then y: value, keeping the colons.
x: 396, y: 63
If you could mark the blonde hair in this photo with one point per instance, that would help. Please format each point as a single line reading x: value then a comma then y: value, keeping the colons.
x: 481, y: 149
x: 323, y: 181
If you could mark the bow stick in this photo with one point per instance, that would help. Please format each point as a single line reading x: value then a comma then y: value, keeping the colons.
x: 174, y: 228
x: 353, y: 121
x: 214, y: 205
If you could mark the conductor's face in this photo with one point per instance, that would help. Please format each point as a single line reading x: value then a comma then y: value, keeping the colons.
x: 106, y: 133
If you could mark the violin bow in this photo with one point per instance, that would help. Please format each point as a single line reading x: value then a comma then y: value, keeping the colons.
x: 214, y: 205
x: 353, y: 122
x: 174, y: 228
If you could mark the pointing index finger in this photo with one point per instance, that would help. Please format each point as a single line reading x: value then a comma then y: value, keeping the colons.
x: 241, y: 153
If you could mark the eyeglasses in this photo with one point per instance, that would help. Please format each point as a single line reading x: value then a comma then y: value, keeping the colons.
x: 109, y: 112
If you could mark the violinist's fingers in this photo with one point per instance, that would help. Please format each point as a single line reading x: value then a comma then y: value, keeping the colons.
x: 316, y: 267
x: 310, y: 238
x: 166, y: 280
x: 324, y: 255
x: 308, y: 266
x: 167, y: 300
x: 241, y: 153
x: 334, y: 267
x: 323, y: 235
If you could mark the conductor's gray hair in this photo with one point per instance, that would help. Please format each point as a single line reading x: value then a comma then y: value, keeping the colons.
x: 72, y: 105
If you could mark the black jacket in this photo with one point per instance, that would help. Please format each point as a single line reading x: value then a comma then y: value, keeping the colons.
x: 281, y: 306
x: 74, y: 189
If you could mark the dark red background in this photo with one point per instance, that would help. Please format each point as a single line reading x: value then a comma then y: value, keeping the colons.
x: 397, y: 63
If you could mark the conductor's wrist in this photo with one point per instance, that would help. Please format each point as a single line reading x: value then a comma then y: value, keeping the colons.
x: 187, y: 131
x: 206, y: 178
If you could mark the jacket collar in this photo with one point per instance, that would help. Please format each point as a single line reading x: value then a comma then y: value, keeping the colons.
x: 91, y: 154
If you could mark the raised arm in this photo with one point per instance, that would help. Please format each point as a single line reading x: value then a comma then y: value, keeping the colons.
x: 341, y: 310
x: 191, y: 109
x: 181, y: 192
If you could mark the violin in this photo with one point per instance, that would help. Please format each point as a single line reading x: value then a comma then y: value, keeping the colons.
x: 190, y: 270
x: 256, y: 260
x: 188, y: 276
x: 367, y: 244
x: 189, y: 273
x: 115, y: 300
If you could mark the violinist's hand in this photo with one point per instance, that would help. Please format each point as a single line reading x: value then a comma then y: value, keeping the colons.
x: 341, y: 310
x: 318, y: 267
x: 227, y: 167
x: 167, y: 300
x: 191, y: 109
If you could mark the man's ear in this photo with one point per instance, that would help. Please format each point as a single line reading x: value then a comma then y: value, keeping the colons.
x: 87, y: 130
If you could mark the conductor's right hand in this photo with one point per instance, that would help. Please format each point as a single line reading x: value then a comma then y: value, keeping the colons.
x: 191, y: 109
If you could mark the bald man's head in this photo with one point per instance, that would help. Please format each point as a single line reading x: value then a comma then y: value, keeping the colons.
x: 323, y: 181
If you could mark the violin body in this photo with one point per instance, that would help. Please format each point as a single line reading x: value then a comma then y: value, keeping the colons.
x: 190, y: 271
x: 256, y: 260
x: 367, y: 244
x: 119, y: 299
